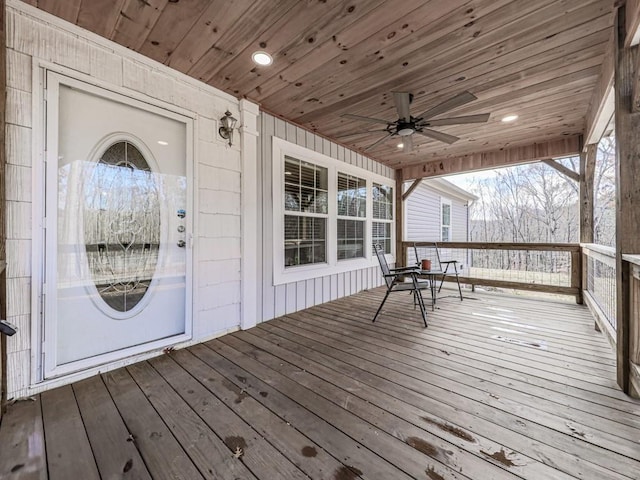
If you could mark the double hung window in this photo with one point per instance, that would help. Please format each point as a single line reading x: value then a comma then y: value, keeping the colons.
x: 306, y: 212
x: 446, y: 220
x: 382, y: 216
x: 352, y: 213
x: 326, y: 214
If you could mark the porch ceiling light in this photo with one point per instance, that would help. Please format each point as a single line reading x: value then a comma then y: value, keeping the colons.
x: 510, y: 118
x: 227, y: 124
x: 401, y: 145
x: 262, y: 58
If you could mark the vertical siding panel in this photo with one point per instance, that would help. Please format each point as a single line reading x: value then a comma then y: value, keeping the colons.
x: 280, y: 300
x: 301, y: 137
x: 326, y: 147
x: 340, y: 285
x: 281, y: 128
x: 318, y: 142
x: 310, y: 141
x: 318, y: 291
x: 326, y: 288
x: 290, y: 297
x: 334, y: 150
x: 334, y: 286
x: 266, y: 167
x: 292, y: 133
x: 311, y: 292
x: 347, y: 284
x: 301, y: 295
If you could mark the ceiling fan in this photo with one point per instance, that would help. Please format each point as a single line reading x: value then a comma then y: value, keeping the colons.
x: 406, y: 125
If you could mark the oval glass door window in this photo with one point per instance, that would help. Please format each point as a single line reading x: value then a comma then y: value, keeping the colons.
x: 122, y: 227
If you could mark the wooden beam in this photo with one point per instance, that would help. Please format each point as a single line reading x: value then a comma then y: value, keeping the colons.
x: 587, y: 174
x: 635, y: 99
x: 575, y: 176
x: 602, y: 101
x: 413, y: 186
x: 3, y: 206
x: 627, y: 193
x: 400, y: 251
x: 632, y: 23
x: 562, y: 147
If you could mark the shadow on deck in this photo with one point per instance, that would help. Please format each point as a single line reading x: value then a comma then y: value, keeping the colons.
x: 498, y: 387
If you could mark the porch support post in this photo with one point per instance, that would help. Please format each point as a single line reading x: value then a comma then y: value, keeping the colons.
x: 401, y: 254
x: 250, y: 255
x: 627, y: 193
x: 3, y: 206
x: 587, y: 174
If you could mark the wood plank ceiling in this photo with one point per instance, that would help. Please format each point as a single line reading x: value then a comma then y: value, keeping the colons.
x: 537, y: 59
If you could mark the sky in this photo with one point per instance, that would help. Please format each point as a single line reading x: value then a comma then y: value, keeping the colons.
x: 464, y: 180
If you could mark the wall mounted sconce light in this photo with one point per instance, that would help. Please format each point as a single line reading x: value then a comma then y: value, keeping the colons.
x: 227, y: 125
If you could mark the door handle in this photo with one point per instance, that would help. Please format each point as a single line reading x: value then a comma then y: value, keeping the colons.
x: 181, y: 243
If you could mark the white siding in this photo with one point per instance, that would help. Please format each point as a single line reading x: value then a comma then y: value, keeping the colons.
x: 422, y: 215
x: 459, y: 212
x: 33, y: 35
x: 291, y: 297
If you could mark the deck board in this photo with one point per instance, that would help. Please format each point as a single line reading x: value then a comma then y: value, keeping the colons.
x: 326, y: 394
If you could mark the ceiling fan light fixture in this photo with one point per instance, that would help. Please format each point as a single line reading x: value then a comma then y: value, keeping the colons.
x: 401, y: 145
x: 261, y: 58
x: 509, y: 118
x: 403, y: 132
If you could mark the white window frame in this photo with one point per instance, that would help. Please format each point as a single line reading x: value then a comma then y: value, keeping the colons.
x: 354, y: 218
x: 446, y: 201
x: 282, y: 274
x: 385, y: 220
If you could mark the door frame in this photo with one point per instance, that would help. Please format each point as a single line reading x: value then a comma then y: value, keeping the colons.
x: 44, y: 333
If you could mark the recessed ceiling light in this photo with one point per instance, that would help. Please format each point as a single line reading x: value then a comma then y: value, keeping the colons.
x: 262, y: 58
x: 509, y: 118
x: 401, y: 145
x: 163, y: 143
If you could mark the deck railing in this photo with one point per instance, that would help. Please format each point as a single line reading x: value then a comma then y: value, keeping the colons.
x: 599, y: 279
x: 541, y: 267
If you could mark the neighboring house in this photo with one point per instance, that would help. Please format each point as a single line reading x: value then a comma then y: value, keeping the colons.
x: 141, y: 228
x: 438, y: 211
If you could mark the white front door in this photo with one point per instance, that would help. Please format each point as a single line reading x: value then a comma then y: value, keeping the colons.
x: 117, y: 224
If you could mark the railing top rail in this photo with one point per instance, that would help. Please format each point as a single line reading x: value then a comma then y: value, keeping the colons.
x: 559, y: 247
x: 602, y: 249
x: 635, y: 259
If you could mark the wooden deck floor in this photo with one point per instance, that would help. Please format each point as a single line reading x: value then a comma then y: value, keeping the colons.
x: 496, y: 388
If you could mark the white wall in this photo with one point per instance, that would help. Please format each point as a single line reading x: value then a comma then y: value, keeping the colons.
x: 34, y: 37
x: 287, y: 298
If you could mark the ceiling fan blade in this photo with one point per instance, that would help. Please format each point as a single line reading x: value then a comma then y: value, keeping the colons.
x: 457, y: 101
x: 365, y: 119
x: 407, y: 144
x: 383, y: 139
x: 443, y: 137
x: 364, y: 132
x: 481, y: 118
x: 402, y: 100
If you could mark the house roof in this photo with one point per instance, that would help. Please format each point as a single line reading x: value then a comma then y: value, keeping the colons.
x: 448, y: 188
x: 538, y: 59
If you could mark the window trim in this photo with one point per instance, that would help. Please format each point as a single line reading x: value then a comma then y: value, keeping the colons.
x: 385, y: 220
x: 282, y: 274
x: 446, y: 201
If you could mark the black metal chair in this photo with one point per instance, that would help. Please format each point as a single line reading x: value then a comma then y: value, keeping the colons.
x: 443, y: 266
x: 447, y: 264
x: 393, y: 277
